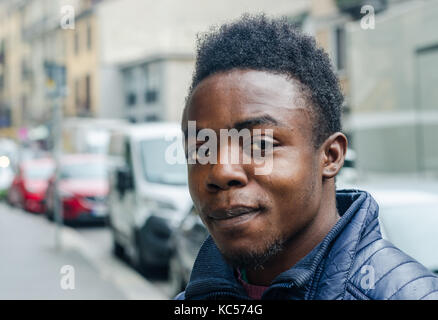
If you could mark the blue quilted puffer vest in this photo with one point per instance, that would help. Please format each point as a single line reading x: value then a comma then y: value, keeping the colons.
x: 353, y: 262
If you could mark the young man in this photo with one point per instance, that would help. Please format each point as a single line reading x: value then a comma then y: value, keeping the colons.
x: 287, y: 233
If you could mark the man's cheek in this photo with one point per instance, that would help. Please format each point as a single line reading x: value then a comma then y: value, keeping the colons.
x: 288, y: 185
x: 285, y: 174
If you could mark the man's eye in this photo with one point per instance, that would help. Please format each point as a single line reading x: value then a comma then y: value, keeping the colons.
x: 259, y: 145
x: 262, y: 145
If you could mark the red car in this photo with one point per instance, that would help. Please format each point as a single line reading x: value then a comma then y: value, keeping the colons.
x: 83, y: 188
x: 30, y: 184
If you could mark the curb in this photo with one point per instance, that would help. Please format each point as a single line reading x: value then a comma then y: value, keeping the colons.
x: 133, y: 285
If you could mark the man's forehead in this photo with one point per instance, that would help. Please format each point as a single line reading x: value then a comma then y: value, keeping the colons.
x: 237, y: 95
x: 252, y: 86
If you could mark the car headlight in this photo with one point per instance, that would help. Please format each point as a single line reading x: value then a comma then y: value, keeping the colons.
x: 4, y: 162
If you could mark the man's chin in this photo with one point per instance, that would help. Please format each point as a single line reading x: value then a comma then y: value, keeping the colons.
x: 251, y: 258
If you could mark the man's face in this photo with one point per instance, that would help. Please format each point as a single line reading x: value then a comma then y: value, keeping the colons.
x: 250, y: 216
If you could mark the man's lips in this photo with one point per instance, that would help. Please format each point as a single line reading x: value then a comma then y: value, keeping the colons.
x: 232, y: 212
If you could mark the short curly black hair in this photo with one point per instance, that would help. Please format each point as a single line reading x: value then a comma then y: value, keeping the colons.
x: 257, y: 42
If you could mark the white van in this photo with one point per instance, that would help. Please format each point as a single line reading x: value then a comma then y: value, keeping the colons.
x: 148, y: 191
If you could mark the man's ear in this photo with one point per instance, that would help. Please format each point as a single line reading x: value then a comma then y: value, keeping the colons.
x: 333, y: 154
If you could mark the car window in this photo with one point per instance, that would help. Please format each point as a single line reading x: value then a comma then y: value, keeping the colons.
x: 86, y: 170
x: 34, y: 172
x: 155, y: 167
x: 413, y: 229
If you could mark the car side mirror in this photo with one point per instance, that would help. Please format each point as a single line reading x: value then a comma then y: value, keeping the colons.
x: 124, y: 180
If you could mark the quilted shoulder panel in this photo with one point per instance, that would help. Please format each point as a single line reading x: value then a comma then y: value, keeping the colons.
x: 382, y: 271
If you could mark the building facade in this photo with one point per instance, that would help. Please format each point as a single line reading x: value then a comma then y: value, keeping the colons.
x: 13, y: 95
x: 131, y: 60
x: 153, y: 46
x: 393, y: 73
x: 388, y: 74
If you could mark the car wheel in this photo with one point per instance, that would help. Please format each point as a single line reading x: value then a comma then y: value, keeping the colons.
x: 137, y: 256
x: 21, y: 201
x: 49, y: 208
x: 9, y: 197
x: 140, y: 263
x: 118, y: 249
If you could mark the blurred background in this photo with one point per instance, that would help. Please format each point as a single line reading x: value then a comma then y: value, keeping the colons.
x: 91, y: 93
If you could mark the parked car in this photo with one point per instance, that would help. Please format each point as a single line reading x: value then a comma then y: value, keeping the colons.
x: 186, y: 241
x: 148, y: 194
x: 408, y: 214
x: 10, y: 150
x: 6, y: 176
x: 82, y: 188
x: 409, y: 219
x: 8, y: 155
x: 30, y: 183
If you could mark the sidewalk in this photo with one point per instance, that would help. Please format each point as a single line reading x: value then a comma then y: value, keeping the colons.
x: 30, y: 266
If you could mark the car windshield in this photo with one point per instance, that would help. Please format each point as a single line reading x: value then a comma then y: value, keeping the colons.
x: 156, y: 168
x: 5, y: 171
x: 38, y: 172
x: 413, y: 228
x: 85, y: 170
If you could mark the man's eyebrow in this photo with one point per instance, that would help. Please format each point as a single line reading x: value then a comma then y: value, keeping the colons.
x: 258, y: 121
x: 248, y: 124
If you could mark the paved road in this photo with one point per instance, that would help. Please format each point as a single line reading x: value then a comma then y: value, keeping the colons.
x: 101, y: 239
x: 31, y: 266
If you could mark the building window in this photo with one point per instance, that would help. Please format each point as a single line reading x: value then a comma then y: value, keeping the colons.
x: 151, y: 96
x: 130, y: 84
x: 76, y: 42
x: 87, y: 93
x: 77, y: 94
x: 151, y: 118
x: 25, y: 70
x: 131, y: 99
x: 89, y: 36
x: 2, y: 62
x: 152, y: 83
x: 24, y: 109
x: 5, y: 117
x: 340, y: 47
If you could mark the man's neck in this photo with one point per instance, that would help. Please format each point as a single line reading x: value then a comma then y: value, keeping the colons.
x: 298, y: 247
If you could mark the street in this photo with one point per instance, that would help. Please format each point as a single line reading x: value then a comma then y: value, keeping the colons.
x: 32, y: 266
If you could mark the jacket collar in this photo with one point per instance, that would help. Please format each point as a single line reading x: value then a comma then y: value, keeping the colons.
x: 213, y: 278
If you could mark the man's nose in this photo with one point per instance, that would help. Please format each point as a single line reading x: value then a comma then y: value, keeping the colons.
x: 226, y: 176
x: 223, y: 176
